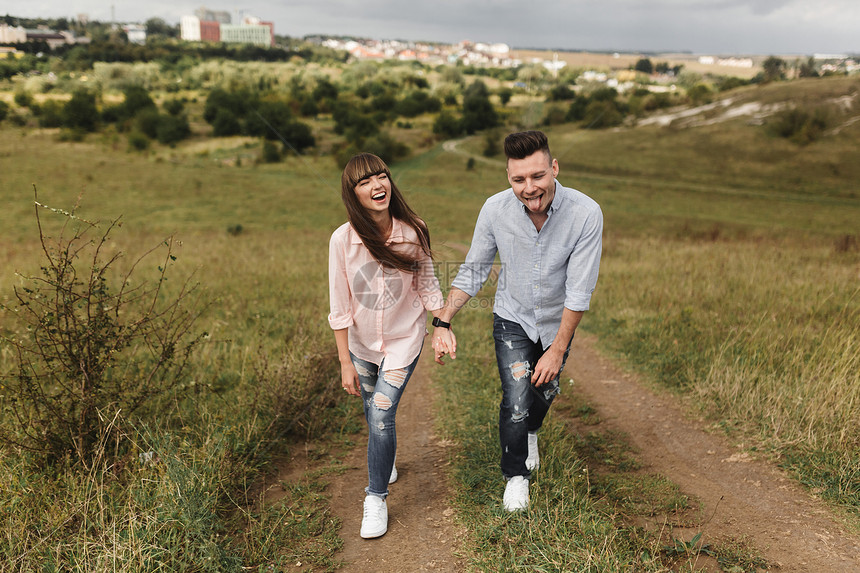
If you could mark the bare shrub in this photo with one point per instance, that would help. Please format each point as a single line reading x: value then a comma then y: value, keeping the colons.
x: 90, y: 342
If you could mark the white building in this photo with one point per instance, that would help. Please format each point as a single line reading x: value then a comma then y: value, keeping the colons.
x: 10, y: 35
x: 260, y: 35
x: 189, y: 28
x: 135, y: 33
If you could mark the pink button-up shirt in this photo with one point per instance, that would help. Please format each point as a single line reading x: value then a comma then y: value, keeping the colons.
x: 384, y: 309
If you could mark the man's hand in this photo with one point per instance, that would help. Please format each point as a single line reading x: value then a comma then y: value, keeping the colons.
x: 444, y: 342
x: 548, y: 367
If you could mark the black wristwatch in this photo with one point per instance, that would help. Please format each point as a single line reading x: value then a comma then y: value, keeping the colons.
x: 442, y: 323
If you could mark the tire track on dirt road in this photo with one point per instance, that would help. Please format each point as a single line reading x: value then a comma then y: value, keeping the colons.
x: 741, y: 497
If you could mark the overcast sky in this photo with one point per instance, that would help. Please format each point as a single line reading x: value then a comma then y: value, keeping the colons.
x: 717, y: 27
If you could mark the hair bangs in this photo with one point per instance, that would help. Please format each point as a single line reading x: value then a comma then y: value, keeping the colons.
x: 360, y: 167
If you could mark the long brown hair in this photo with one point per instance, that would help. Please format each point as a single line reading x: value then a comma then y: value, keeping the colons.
x: 360, y: 167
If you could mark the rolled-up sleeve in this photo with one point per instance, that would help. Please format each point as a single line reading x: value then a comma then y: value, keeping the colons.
x: 427, y: 285
x: 474, y: 271
x: 584, y: 263
x: 340, y: 315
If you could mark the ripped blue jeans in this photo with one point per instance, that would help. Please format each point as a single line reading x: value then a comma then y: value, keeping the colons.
x: 380, y: 392
x: 524, y: 406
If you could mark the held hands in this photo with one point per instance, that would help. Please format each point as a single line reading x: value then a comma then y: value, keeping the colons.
x: 444, y: 342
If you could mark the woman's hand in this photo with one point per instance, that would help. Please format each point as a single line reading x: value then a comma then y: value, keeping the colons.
x: 349, y: 378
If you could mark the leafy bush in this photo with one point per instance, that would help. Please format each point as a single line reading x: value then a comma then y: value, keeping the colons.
x: 560, y: 93
x: 298, y: 136
x: 386, y: 147
x: 352, y: 123
x: 174, y: 106
x: 270, y: 119
x: 4, y: 110
x: 238, y: 103
x: 172, y: 128
x: 492, y: 143
x: 576, y: 111
x: 604, y: 94
x: 601, y: 114
x: 447, y: 126
x: 81, y: 112
x: 271, y: 153
x: 726, y: 83
x: 23, y: 98
x: 644, y: 65
x: 136, y: 99
x: 50, y: 114
x: 90, y: 344
x: 225, y: 124
x: 555, y: 114
x: 137, y: 141
x: 309, y: 107
x: 657, y: 101
x: 699, y: 93
x: 147, y: 122
x: 324, y: 90
x: 416, y: 103
x: 800, y: 125
x: 478, y: 112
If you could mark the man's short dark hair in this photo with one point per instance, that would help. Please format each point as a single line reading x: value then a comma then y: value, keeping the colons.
x: 524, y: 143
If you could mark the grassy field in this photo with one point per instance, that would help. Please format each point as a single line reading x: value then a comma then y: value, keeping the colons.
x: 730, y: 276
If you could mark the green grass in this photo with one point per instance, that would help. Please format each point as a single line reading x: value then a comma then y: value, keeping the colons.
x: 729, y: 275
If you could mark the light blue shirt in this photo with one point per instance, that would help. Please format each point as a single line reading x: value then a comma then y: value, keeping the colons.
x: 541, y: 272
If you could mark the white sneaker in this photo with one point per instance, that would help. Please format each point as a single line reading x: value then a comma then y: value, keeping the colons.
x: 533, y: 459
x: 375, y: 520
x: 516, y: 494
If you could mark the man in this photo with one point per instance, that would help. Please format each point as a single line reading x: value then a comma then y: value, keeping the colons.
x: 549, y: 239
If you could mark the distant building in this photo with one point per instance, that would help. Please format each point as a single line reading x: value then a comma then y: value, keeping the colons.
x: 730, y: 62
x: 53, y: 39
x: 135, y: 33
x: 9, y: 53
x: 10, y: 35
x: 209, y: 29
x: 259, y: 34
x: 189, y: 28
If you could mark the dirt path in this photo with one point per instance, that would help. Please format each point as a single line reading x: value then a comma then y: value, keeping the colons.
x: 741, y: 497
x: 421, y: 531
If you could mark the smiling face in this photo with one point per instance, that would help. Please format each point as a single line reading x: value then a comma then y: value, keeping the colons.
x: 374, y: 193
x: 533, y: 181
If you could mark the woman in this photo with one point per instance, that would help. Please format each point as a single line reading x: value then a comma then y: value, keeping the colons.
x: 381, y: 285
